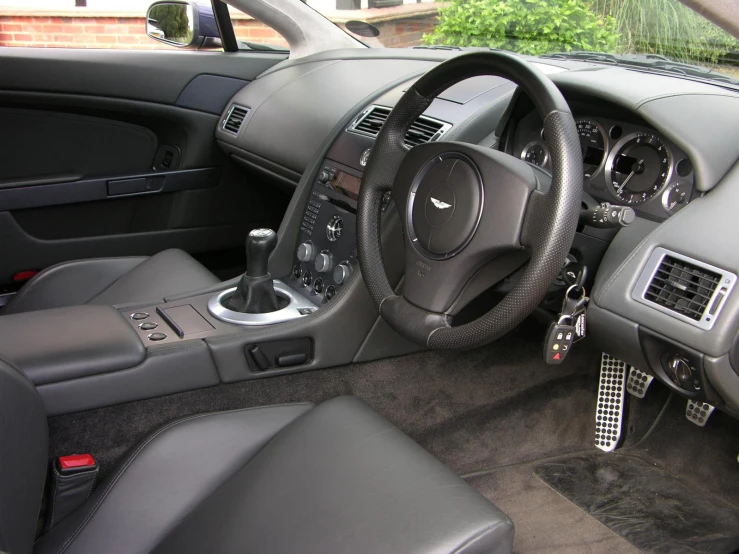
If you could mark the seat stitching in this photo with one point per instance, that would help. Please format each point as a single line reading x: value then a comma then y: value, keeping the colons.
x: 133, y: 456
x: 53, y: 503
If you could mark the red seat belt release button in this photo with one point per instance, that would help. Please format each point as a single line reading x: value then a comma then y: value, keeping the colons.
x: 76, y: 462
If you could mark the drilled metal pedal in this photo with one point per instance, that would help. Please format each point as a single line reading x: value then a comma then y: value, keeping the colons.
x: 609, y: 413
x: 698, y: 412
x: 638, y: 382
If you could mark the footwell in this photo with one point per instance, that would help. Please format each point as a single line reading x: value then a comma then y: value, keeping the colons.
x: 649, y: 507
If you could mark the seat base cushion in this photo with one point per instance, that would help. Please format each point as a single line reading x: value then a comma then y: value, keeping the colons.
x: 112, y: 281
x: 336, y: 478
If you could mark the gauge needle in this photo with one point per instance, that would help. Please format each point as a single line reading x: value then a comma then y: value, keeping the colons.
x: 633, y: 172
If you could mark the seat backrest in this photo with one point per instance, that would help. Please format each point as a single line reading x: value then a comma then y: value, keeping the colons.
x: 23, y: 459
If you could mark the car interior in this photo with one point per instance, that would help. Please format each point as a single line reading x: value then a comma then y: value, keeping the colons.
x: 352, y: 299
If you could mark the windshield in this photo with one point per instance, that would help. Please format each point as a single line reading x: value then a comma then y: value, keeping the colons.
x: 663, y: 28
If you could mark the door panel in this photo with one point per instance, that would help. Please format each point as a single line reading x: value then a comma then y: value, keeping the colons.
x: 70, y: 145
x: 112, y: 153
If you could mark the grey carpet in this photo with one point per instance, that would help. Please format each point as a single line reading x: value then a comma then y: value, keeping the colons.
x: 545, y: 521
x: 494, y: 407
x: 474, y: 409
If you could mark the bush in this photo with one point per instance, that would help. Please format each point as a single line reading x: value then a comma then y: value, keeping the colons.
x: 667, y: 28
x: 526, y: 26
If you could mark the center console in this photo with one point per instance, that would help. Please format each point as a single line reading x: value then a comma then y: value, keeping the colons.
x: 326, y: 255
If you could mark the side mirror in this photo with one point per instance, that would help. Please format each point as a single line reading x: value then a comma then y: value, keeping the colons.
x: 183, y: 24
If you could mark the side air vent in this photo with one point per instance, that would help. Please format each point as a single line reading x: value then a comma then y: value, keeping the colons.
x: 684, y: 287
x: 424, y: 129
x: 234, y: 118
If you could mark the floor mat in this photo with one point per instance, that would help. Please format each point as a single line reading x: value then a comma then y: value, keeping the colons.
x: 545, y: 521
x: 649, y: 507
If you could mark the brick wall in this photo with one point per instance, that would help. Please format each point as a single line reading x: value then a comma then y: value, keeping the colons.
x: 405, y: 32
x: 128, y: 32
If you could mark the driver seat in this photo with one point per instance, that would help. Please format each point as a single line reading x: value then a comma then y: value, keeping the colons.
x: 336, y: 478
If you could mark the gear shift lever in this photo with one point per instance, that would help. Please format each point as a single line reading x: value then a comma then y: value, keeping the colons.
x: 256, y: 292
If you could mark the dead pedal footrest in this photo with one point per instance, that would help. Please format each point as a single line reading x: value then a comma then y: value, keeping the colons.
x: 609, y: 413
x: 638, y: 382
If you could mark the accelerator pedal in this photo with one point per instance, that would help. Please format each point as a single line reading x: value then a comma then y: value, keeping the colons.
x: 611, y: 392
x: 638, y: 382
x: 698, y: 412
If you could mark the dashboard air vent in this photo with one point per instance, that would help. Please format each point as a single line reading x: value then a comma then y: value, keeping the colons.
x: 424, y: 129
x: 234, y: 118
x: 684, y: 287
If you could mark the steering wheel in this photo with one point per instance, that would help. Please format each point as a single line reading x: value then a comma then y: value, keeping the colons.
x: 466, y: 208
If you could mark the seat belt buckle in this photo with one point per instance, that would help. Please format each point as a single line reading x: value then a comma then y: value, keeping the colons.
x: 72, y: 481
x: 76, y: 463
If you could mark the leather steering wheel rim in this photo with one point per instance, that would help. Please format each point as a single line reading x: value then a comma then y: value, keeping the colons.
x: 546, y: 231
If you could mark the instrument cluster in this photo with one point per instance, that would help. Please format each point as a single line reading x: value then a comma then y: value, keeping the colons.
x: 623, y: 163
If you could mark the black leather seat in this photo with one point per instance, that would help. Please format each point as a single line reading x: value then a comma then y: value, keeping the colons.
x: 112, y: 281
x: 336, y: 478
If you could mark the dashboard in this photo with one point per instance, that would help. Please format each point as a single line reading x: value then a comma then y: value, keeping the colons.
x: 623, y: 163
x: 665, y: 146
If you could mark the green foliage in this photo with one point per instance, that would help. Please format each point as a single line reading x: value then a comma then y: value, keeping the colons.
x: 174, y: 21
x: 667, y: 28
x: 526, y: 26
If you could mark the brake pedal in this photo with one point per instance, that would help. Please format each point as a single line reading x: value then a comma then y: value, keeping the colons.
x: 638, y: 382
x: 698, y: 412
x: 611, y: 392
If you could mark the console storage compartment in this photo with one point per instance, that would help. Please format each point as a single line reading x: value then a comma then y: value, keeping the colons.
x: 86, y: 357
x: 67, y: 343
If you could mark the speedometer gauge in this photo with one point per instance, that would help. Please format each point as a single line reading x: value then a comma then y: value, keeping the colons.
x: 638, y: 168
x: 592, y: 141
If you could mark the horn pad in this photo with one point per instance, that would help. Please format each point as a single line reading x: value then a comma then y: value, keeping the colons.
x: 445, y: 206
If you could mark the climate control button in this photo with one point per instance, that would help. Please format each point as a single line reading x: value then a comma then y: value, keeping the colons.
x: 323, y: 262
x: 306, y: 252
x: 342, y: 272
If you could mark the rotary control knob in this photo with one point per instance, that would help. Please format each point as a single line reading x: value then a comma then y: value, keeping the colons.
x: 306, y: 252
x: 334, y: 228
x: 342, y: 272
x: 679, y: 370
x: 323, y: 262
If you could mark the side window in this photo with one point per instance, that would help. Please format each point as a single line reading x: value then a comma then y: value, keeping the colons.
x: 252, y: 34
x: 119, y: 24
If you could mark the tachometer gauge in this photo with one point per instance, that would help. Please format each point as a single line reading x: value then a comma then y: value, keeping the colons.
x: 592, y: 141
x: 638, y: 168
x: 535, y: 153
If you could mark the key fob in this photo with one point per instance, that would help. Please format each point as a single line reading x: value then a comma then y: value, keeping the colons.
x: 558, y: 343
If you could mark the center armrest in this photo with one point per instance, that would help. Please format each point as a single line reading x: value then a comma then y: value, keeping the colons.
x: 56, y: 345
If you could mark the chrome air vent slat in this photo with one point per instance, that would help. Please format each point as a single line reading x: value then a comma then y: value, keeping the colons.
x: 424, y: 129
x: 234, y: 119
x: 683, y: 287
